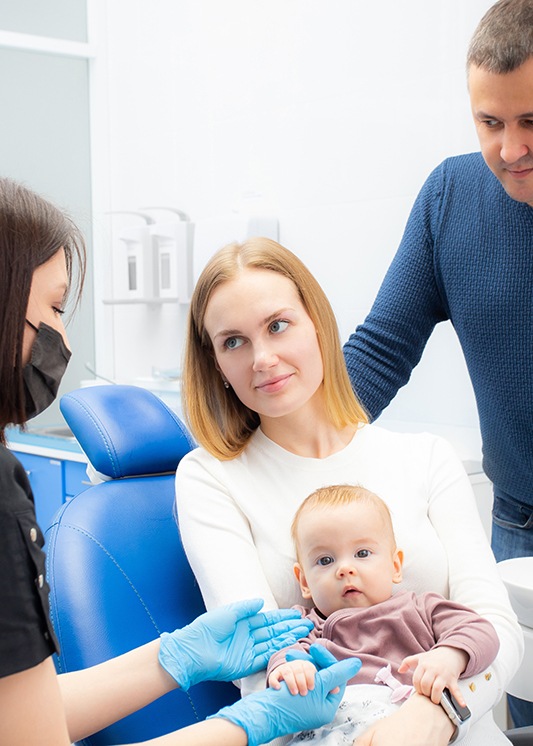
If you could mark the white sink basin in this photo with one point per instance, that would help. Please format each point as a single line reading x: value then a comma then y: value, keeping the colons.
x: 517, y: 574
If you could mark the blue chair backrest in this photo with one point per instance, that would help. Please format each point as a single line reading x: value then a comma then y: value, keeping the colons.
x: 117, y: 571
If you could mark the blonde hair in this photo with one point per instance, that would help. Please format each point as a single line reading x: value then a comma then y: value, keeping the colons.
x: 219, y: 421
x: 338, y: 495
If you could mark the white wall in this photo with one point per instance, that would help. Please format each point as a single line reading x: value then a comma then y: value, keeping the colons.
x: 328, y: 114
x: 44, y: 61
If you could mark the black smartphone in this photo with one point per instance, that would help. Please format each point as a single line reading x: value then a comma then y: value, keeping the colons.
x: 456, y: 712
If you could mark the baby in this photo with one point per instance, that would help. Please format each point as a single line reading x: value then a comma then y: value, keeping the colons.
x: 348, y: 563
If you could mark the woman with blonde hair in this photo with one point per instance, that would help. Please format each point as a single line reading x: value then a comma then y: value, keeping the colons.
x: 221, y: 422
x: 268, y: 400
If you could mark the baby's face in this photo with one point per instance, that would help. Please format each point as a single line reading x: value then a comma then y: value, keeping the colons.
x: 347, y: 557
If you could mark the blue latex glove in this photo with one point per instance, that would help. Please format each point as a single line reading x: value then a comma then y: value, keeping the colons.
x: 276, y: 712
x: 321, y: 657
x: 229, y: 642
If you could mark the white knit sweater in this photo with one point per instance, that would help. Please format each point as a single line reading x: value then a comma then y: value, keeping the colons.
x: 235, y: 519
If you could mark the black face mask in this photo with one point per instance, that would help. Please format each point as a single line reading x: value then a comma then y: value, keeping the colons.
x: 43, y: 374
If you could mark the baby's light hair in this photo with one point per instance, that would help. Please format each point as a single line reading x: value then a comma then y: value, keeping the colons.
x: 342, y: 494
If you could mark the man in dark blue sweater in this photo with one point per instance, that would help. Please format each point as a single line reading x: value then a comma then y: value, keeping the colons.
x: 467, y: 256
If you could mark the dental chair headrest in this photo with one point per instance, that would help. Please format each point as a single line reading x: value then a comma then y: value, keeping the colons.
x: 107, y: 420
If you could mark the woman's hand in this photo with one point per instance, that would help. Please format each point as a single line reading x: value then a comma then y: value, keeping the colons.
x: 229, y: 642
x: 418, y: 722
x: 437, y: 670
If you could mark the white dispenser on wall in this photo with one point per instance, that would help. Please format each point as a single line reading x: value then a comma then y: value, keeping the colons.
x: 172, y: 235
x: 133, y: 269
x: 151, y: 256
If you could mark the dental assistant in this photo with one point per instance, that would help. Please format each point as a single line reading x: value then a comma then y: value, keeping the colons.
x: 40, y: 250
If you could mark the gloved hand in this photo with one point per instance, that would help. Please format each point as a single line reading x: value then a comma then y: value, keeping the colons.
x: 229, y: 642
x: 276, y: 712
x: 320, y: 657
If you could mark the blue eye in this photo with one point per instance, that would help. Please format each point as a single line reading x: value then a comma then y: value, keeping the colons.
x: 278, y: 326
x: 232, y: 343
x: 325, y: 561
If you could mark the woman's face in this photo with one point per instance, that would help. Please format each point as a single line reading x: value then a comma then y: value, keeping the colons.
x: 265, y: 343
x: 47, y: 297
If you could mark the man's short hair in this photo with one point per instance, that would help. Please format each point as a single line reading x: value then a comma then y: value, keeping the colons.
x: 503, y: 40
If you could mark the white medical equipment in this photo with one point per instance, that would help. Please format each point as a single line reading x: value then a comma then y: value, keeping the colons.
x: 517, y: 574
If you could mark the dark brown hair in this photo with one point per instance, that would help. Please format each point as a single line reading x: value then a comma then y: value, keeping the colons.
x: 32, y: 231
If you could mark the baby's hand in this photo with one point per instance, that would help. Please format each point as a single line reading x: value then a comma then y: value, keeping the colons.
x: 435, y: 670
x: 298, y: 675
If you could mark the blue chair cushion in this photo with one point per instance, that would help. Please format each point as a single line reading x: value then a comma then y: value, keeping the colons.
x: 118, y: 578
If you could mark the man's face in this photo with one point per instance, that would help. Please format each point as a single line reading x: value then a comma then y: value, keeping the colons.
x: 502, y: 106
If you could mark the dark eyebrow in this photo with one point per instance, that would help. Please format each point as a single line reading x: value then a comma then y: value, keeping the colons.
x: 485, y: 115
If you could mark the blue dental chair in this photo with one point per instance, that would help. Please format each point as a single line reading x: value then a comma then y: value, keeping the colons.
x: 117, y: 571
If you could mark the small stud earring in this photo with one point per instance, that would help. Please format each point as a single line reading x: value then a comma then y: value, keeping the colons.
x: 226, y: 384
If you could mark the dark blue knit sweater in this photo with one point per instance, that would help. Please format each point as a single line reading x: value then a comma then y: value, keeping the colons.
x: 466, y: 255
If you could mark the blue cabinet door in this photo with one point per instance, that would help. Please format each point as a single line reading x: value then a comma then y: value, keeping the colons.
x: 76, y: 479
